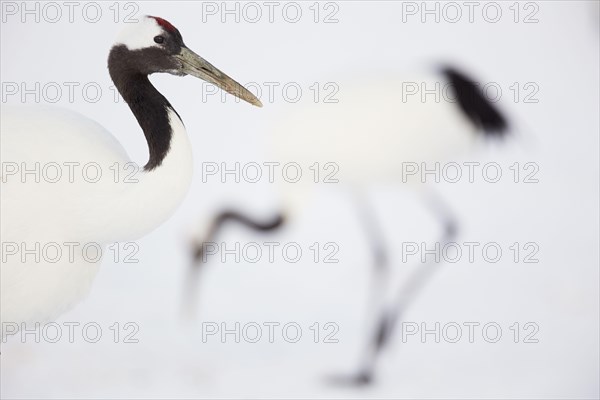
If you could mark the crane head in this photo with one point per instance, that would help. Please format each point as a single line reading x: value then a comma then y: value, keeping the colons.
x: 154, y: 45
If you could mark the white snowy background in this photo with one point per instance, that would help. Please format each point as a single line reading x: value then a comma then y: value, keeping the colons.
x: 560, y: 53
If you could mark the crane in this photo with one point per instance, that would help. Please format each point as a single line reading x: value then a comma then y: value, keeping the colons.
x: 370, y: 134
x: 48, y: 227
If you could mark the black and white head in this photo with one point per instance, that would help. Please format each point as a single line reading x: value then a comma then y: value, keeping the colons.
x: 154, y: 45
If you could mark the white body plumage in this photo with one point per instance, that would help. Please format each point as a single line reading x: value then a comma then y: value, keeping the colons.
x: 76, y: 214
x: 98, y: 205
x: 372, y: 133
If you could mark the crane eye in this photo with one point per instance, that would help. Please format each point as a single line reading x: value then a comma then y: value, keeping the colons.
x: 159, y: 39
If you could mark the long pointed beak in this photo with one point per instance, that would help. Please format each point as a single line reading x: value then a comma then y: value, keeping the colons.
x: 193, y: 64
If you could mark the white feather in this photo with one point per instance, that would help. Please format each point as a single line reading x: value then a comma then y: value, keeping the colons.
x: 78, y: 211
x: 370, y: 133
x: 139, y: 35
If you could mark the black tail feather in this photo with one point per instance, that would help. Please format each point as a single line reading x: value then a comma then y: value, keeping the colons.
x: 475, y: 105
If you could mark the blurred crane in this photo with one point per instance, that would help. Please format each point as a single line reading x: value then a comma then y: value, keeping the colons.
x: 373, y: 130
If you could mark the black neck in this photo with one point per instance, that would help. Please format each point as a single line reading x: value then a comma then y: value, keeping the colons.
x: 151, y: 109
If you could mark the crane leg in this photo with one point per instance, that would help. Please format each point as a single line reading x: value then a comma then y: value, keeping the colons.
x: 379, y: 250
x: 379, y: 276
x: 225, y: 217
x: 200, y: 256
x: 391, y: 313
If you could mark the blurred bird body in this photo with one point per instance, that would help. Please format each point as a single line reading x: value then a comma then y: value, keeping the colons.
x: 371, y: 135
x: 377, y: 129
